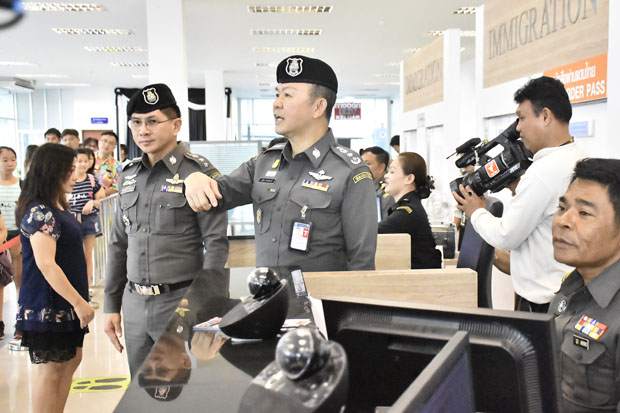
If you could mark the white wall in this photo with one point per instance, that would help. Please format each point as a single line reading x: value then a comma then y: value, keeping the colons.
x: 82, y: 104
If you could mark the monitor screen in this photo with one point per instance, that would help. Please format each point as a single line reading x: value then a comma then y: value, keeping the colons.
x: 445, y: 385
x: 513, y: 353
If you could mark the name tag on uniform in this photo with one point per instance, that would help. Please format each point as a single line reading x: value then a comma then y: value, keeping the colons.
x: 300, y: 236
x: 127, y: 189
x: 271, y: 174
x: 581, y: 342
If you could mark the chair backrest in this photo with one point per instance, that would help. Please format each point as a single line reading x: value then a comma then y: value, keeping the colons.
x: 478, y: 255
x: 393, y: 252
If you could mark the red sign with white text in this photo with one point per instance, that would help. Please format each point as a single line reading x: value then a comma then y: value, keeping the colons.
x: 348, y: 111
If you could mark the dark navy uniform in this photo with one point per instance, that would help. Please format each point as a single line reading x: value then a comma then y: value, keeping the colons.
x: 409, y: 217
x: 328, y: 185
x: 588, y: 329
x: 158, y: 245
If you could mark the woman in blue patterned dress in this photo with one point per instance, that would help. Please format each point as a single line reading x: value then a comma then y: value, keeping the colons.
x: 53, y: 310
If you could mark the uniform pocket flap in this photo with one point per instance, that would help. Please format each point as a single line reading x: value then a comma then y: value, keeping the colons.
x: 175, y: 202
x: 578, y: 352
x: 314, y: 199
x: 263, y: 196
x: 128, y: 200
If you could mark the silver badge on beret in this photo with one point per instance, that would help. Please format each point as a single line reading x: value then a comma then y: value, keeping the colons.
x: 562, y: 306
x: 294, y: 66
x: 150, y: 96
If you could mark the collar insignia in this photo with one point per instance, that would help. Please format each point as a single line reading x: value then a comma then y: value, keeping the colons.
x: 316, y: 153
x: 172, y: 160
x: 294, y: 66
x: 275, y: 164
x: 150, y: 96
x: 320, y: 176
x: 562, y: 306
x: 175, y: 180
x: 341, y: 149
x: 355, y: 160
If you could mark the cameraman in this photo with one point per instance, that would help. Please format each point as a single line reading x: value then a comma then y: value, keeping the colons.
x: 525, y: 228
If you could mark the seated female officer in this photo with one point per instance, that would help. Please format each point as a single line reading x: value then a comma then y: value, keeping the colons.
x: 408, y: 183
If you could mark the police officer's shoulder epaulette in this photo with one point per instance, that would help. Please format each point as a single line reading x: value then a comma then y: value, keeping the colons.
x: 566, y: 276
x: 405, y: 208
x: 350, y: 157
x: 202, y: 162
x: 276, y: 147
x: 133, y: 162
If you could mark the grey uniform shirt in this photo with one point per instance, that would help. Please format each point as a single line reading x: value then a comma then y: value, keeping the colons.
x: 385, y: 200
x: 588, y: 329
x: 156, y: 237
x: 336, y: 187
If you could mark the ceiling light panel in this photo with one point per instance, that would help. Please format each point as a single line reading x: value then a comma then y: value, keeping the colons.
x: 129, y: 64
x: 115, y: 49
x: 290, y: 9
x: 265, y: 64
x: 116, y: 32
x: 386, y: 75
x: 465, y: 10
x: 283, y: 49
x: 286, y: 32
x: 381, y: 83
x: 266, y: 76
x: 464, y: 33
x: 75, y: 7
x: 265, y: 84
x: 9, y: 63
x: 411, y: 50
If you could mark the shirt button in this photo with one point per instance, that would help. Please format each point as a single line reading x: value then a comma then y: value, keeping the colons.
x: 146, y: 205
x: 143, y: 253
x: 279, y: 209
x: 143, y: 229
x: 273, y: 240
x: 124, y: 206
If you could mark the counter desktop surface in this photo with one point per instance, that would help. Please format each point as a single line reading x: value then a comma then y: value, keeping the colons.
x: 191, y: 371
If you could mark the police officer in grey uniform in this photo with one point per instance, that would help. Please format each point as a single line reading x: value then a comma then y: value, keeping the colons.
x: 586, y: 235
x: 314, y: 202
x: 158, y: 244
x: 378, y: 160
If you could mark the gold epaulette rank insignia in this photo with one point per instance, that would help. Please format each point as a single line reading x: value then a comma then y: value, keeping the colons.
x: 405, y: 208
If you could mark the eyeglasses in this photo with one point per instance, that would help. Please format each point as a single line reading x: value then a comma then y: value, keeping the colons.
x: 150, y: 123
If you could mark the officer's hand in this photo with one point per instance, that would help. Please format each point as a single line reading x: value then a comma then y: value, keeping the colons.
x: 207, y: 344
x: 201, y: 192
x: 112, y: 327
x: 469, y: 202
x: 85, y: 313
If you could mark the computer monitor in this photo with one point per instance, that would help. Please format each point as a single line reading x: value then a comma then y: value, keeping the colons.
x: 445, y: 385
x: 388, y: 345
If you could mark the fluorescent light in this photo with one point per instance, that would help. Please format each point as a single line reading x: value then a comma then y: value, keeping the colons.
x: 386, y: 75
x: 411, y: 50
x: 116, y: 32
x: 265, y: 64
x: 266, y: 76
x: 114, y: 49
x: 265, y: 84
x: 9, y: 63
x: 283, y: 49
x: 290, y: 9
x: 393, y: 64
x: 464, y: 33
x: 76, y: 7
x: 39, y: 76
x: 465, y: 10
x: 67, y: 84
x: 381, y: 83
x: 289, y: 32
x: 129, y: 64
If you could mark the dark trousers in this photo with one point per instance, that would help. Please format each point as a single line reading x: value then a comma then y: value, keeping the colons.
x: 523, y: 304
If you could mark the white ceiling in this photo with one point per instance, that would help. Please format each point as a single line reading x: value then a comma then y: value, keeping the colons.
x: 359, y: 39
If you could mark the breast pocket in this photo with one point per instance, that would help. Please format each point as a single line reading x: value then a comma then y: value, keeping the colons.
x: 264, y: 201
x: 129, y: 211
x: 171, y: 216
x: 588, y: 374
x: 318, y: 203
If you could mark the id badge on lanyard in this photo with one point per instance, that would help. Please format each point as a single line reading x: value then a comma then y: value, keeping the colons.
x: 300, y: 233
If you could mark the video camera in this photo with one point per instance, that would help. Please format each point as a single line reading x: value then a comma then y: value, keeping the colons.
x: 496, y: 173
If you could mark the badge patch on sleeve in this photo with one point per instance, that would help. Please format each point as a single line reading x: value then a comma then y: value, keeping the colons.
x: 362, y: 175
x: 590, y: 327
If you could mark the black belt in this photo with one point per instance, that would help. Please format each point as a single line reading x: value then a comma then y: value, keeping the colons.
x: 157, y: 289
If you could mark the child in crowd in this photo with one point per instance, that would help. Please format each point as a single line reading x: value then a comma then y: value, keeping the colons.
x: 9, y: 193
x: 84, y: 203
x: 53, y: 311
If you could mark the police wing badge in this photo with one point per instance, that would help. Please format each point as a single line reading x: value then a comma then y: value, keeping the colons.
x: 294, y: 66
x: 150, y: 96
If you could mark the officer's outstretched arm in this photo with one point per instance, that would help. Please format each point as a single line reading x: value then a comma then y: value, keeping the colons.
x: 201, y: 192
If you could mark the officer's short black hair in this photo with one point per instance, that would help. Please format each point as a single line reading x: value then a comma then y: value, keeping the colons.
x: 52, y: 131
x: 605, y: 172
x: 382, y: 155
x: 546, y: 92
x: 395, y: 140
x: 319, y: 91
x: 72, y: 132
x: 109, y: 132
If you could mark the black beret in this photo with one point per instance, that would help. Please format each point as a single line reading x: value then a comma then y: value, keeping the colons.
x: 150, y: 98
x: 302, y: 69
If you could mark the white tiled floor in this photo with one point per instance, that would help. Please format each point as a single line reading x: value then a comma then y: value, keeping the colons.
x: 100, y: 359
